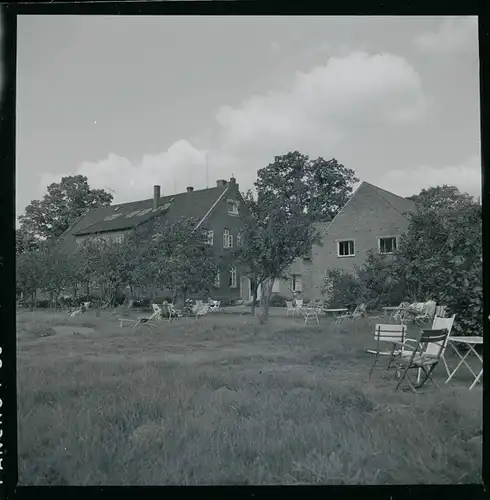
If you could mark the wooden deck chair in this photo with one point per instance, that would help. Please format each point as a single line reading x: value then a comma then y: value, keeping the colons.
x: 421, y: 360
x: 359, y: 311
x: 427, y: 313
x: 393, y: 334
x: 149, y: 321
x: 398, y: 314
x: 290, y: 308
x: 200, y: 310
x: 432, y: 349
x: 166, y: 310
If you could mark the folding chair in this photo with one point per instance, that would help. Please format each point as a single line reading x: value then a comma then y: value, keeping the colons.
x: 432, y: 349
x: 421, y: 360
x: 298, y: 306
x: 290, y: 308
x: 142, y: 320
x: 359, y: 311
x: 394, y: 334
x: 311, y: 313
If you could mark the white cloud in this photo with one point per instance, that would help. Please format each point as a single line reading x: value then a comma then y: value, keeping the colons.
x: 455, y: 34
x: 466, y: 176
x: 312, y: 113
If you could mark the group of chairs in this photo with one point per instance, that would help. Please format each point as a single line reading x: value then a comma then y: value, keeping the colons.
x: 168, y: 311
x: 422, y: 354
x: 417, y: 312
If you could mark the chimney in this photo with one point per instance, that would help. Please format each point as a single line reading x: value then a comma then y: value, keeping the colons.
x: 233, y: 183
x: 156, y: 197
x: 190, y: 189
x: 221, y: 183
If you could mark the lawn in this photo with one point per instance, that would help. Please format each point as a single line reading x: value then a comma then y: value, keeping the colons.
x: 223, y: 400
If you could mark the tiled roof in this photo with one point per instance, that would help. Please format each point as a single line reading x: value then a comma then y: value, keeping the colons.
x: 400, y: 204
x: 128, y: 215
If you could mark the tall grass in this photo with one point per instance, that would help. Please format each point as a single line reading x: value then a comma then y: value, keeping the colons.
x: 222, y: 400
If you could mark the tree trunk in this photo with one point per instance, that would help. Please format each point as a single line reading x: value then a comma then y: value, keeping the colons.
x: 265, y: 299
x: 254, y: 287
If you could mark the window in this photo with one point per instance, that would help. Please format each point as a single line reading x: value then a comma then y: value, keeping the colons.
x: 211, y: 237
x: 233, y: 277
x: 227, y: 239
x: 233, y: 207
x: 216, y: 279
x: 387, y: 245
x: 238, y: 239
x: 296, y: 284
x: 345, y: 248
x: 118, y: 238
x: 112, y: 217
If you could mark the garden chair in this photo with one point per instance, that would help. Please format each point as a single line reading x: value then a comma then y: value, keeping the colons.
x: 290, y: 308
x: 149, y: 321
x: 298, y: 306
x: 427, y: 313
x: 312, y: 312
x: 393, y: 334
x: 166, y: 310
x: 86, y: 304
x: 214, y: 305
x: 419, y: 359
x: 432, y: 349
x: 359, y: 311
x: 202, y: 310
x: 440, y: 311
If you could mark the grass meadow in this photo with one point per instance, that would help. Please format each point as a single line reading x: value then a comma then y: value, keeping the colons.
x: 224, y: 400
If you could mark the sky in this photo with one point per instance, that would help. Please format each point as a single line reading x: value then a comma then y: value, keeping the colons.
x: 131, y: 102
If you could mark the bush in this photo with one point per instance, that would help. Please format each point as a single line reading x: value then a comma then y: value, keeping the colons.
x: 278, y: 301
x: 43, y: 304
x: 344, y: 289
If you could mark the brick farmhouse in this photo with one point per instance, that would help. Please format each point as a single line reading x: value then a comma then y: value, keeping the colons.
x: 372, y: 219
x: 217, y: 210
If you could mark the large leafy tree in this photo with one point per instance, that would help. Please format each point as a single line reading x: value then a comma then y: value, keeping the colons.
x: 107, y: 263
x: 319, y: 187
x: 276, y: 230
x: 61, y: 205
x: 29, y: 274
x: 190, y: 265
x: 25, y: 241
x: 443, y: 197
x: 440, y: 258
x: 58, y: 268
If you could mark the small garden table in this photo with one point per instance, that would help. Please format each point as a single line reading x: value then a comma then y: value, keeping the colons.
x: 336, y: 312
x: 470, y: 342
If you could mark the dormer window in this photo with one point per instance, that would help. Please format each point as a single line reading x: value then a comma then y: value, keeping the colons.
x: 233, y: 207
x: 211, y: 237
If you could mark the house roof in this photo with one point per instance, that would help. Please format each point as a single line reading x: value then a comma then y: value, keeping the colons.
x: 129, y: 215
x: 401, y: 205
